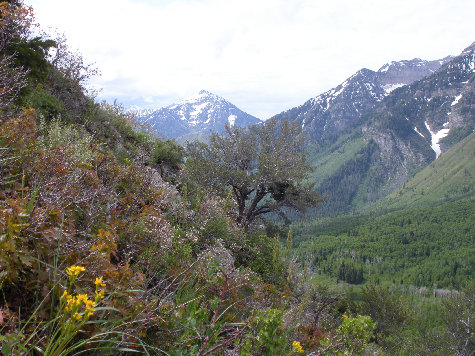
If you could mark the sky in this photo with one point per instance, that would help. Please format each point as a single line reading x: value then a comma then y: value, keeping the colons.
x: 264, y: 56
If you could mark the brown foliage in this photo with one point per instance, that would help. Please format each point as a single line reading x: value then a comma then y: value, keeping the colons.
x: 15, y: 23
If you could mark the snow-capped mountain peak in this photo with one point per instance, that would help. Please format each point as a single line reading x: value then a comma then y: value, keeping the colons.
x: 204, y: 112
x: 202, y: 96
x: 341, y: 107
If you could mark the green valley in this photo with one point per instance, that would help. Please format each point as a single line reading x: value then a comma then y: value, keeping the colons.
x: 422, y: 234
x: 431, y: 246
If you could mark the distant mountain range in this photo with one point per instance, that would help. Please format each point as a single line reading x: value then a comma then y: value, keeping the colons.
x: 200, y: 114
x: 366, y: 142
x: 323, y: 116
x: 340, y: 108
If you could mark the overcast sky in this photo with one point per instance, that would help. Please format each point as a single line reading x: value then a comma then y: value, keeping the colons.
x: 264, y: 56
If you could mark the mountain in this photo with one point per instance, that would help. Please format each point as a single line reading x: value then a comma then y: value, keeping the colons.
x: 200, y: 114
x: 438, y: 110
x: 341, y: 108
x: 365, y: 154
x: 450, y: 177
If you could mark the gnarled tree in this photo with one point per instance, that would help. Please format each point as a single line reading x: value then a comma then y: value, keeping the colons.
x: 265, y: 166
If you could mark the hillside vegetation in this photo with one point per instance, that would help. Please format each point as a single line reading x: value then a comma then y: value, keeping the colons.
x: 432, y: 246
x: 109, y: 246
x: 422, y: 234
x: 450, y: 177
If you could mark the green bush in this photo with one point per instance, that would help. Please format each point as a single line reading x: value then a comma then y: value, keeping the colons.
x: 167, y: 155
x: 268, y: 336
x: 56, y: 134
x: 46, y: 104
x: 215, y: 228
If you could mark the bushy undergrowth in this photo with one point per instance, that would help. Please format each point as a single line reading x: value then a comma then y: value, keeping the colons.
x: 98, y: 253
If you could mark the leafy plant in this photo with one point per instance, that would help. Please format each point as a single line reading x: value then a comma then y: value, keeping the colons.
x: 266, y: 337
x: 351, y: 337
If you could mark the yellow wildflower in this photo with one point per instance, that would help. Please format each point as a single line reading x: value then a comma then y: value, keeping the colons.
x: 297, y: 347
x: 90, y: 304
x: 65, y: 295
x: 81, y: 298
x: 345, y: 316
x: 99, y: 295
x: 77, y: 316
x: 71, y: 301
x: 99, y: 283
x: 74, y: 271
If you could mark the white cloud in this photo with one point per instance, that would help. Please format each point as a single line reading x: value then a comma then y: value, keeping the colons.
x: 264, y: 56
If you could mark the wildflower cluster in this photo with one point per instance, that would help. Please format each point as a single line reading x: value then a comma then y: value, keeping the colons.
x: 75, y: 303
x: 74, y: 271
x: 297, y: 347
x: 79, y: 306
x: 99, y: 292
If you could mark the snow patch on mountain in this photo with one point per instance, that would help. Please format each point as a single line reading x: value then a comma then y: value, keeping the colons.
x: 415, y: 129
x: 384, y: 68
x: 436, y: 137
x: 390, y: 87
x: 456, y: 100
x: 198, y: 109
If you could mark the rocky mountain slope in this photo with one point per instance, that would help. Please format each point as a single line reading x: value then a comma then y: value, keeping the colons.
x: 340, y: 108
x: 362, y: 158
x: 450, y: 177
x: 199, y: 114
x: 439, y: 110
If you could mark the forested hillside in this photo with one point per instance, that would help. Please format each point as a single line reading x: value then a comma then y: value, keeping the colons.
x: 418, y: 241
x: 422, y: 234
x: 431, y: 246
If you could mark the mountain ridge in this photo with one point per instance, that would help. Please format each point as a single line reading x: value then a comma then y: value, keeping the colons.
x: 201, y: 113
x: 341, y: 107
x: 376, y: 152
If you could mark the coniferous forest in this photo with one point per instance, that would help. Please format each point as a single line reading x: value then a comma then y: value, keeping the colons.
x: 116, y: 242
